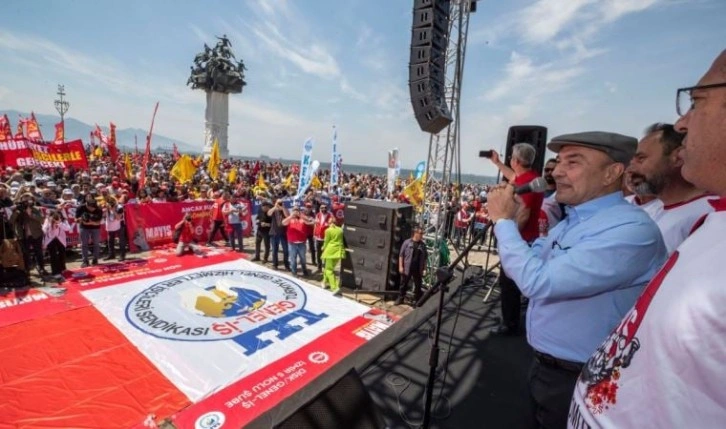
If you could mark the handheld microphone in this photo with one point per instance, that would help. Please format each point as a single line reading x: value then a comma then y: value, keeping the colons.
x: 537, y: 185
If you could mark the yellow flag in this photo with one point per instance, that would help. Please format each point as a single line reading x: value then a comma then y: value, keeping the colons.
x: 261, y: 182
x: 288, y: 182
x: 214, y: 161
x: 316, y: 183
x: 98, y: 152
x: 415, y: 191
x: 127, y: 166
x: 232, y: 176
x: 183, y: 170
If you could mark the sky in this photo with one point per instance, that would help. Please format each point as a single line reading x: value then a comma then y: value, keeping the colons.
x: 569, y: 65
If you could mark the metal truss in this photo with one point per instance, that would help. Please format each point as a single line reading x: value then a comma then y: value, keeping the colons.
x: 443, y: 166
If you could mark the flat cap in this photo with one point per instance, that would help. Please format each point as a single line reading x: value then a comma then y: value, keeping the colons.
x: 619, y: 147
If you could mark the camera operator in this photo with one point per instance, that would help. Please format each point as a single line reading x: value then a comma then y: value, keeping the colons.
x: 114, y: 214
x: 89, y: 217
x: 186, y: 236
x: 28, y: 223
x: 55, y: 229
x: 6, y: 210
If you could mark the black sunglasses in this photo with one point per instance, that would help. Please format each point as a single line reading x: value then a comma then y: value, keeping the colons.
x: 684, y: 98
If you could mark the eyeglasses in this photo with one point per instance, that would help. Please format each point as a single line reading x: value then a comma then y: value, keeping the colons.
x: 549, y: 170
x: 684, y: 97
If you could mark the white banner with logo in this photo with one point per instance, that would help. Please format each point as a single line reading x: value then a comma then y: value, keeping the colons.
x: 206, y: 328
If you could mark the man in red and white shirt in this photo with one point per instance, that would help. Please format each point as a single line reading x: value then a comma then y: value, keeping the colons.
x: 662, y: 367
x: 322, y: 220
x: 656, y: 170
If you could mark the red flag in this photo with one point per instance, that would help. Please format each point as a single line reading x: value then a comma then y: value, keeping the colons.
x: 175, y: 154
x: 59, y: 133
x: 33, y: 128
x: 101, y: 137
x: 147, y: 152
x: 20, y: 132
x: 6, y: 134
x: 112, y: 149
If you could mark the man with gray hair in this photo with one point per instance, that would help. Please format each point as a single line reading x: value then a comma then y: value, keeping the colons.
x: 519, y: 173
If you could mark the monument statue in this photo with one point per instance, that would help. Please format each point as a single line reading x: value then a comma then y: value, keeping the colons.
x: 218, y: 73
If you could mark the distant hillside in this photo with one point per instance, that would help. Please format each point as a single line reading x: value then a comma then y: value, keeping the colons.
x: 76, y: 129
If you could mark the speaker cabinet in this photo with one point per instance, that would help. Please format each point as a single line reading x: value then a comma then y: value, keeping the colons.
x: 533, y: 134
x: 373, y: 232
x: 346, y: 404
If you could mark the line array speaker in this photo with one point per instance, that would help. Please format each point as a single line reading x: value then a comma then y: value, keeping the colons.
x: 427, y: 66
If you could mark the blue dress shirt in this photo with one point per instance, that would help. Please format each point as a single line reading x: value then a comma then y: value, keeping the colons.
x: 585, y: 275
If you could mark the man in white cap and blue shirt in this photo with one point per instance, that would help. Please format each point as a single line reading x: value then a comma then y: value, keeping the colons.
x: 584, y: 276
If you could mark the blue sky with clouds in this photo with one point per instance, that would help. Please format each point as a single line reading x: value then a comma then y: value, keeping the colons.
x: 570, y: 65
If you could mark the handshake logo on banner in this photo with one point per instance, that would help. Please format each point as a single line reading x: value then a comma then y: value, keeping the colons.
x: 246, y: 307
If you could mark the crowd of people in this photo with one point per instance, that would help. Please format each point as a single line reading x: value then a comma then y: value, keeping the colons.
x: 37, y: 203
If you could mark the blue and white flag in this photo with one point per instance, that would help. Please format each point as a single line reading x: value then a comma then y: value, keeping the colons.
x: 334, y: 166
x: 393, y: 166
x: 420, y: 169
x: 305, y: 168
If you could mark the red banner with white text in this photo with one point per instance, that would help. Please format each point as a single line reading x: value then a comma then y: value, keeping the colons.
x: 25, y: 153
x: 152, y: 225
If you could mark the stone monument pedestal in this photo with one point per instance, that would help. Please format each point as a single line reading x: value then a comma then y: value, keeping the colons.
x: 216, y: 123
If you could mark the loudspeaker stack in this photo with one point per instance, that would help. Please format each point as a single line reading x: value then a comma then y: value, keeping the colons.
x: 532, y: 134
x: 427, y: 80
x: 374, y: 231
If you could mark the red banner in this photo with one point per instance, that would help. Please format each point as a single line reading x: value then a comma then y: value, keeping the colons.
x: 25, y: 153
x: 152, y: 225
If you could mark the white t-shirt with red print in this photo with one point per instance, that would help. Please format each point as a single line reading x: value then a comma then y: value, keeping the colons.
x: 664, y: 366
x: 675, y: 221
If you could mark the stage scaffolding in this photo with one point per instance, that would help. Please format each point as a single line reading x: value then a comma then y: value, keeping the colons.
x: 443, y: 165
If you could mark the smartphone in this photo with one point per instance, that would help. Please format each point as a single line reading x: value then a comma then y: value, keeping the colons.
x: 485, y: 153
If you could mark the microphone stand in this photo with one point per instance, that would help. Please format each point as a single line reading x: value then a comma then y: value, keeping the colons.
x: 444, y: 275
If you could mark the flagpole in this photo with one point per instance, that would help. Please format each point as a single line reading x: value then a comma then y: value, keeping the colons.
x: 147, y: 152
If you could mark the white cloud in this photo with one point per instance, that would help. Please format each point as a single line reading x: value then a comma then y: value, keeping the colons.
x: 545, y: 19
x: 203, y: 36
x: 612, y: 10
x: 524, y: 77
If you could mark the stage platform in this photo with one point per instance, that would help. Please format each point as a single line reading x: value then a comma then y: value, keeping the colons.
x: 177, y: 341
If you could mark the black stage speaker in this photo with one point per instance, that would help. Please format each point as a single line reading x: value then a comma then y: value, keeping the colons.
x: 427, y: 66
x: 374, y: 231
x: 345, y: 405
x: 533, y: 134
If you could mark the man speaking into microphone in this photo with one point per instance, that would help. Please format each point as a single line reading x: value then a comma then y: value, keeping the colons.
x: 586, y: 274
